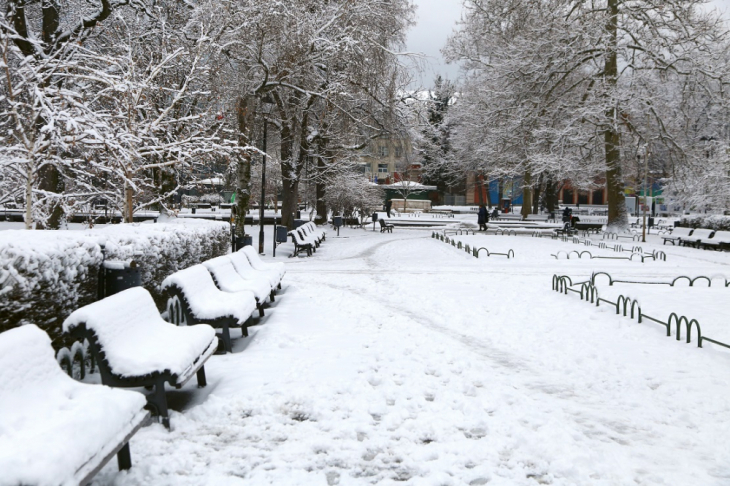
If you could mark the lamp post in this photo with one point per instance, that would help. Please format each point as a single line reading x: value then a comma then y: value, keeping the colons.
x: 266, y: 105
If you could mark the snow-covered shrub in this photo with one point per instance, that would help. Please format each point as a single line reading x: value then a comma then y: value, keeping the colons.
x: 163, y: 249
x: 715, y: 222
x: 45, y: 275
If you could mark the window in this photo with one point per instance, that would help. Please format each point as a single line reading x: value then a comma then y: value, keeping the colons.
x: 383, y: 150
x: 382, y: 168
x: 399, y: 152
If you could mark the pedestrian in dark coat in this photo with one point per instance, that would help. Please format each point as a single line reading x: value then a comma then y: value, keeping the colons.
x: 482, y: 218
x: 388, y: 206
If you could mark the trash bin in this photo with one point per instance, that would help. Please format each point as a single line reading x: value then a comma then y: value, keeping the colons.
x: 299, y: 214
x: 651, y: 222
x: 192, y: 210
x: 677, y: 223
x: 282, y: 233
x: 375, y: 217
x: 337, y: 221
x: 245, y: 240
x: 119, y: 275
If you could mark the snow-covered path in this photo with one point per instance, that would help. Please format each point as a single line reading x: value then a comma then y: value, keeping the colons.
x: 397, y: 358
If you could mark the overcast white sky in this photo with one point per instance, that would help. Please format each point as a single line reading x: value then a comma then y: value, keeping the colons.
x: 436, y: 20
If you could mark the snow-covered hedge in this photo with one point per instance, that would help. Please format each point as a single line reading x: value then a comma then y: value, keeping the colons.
x: 45, y: 275
x: 715, y: 222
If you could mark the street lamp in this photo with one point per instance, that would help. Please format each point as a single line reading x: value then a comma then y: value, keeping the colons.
x: 267, y: 104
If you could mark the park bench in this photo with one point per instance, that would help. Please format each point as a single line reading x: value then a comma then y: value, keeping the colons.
x: 243, y: 268
x: 697, y: 235
x: 300, y: 244
x: 308, y: 237
x: 313, y: 229
x: 275, y: 271
x: 55, y: 430
x: 133, y: 346
x: 677, y: 234
x: 720, y: 240
x: 228, y: 279
x: 195, y: 299
x: 538, y: 217
x: 385, y: 226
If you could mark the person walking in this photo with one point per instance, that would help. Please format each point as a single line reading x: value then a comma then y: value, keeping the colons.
x: 388, y: 206
x: 482, y: 218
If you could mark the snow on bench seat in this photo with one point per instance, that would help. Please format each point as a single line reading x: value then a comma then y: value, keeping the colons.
x: 276, y: 271
x: 208, y: 302
x: 53, y: 429
x: 134, y: 346
x: 136, y: 341
x: 203, y: 302
x: 229, y: 280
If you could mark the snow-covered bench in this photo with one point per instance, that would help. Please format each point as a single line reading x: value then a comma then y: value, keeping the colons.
x: 201, y: 302
x: 313, y: 229
x: 54, y: 430
x: 308, y: 237
x: 275, y: 271
x: 697, y: 235
x: 677, y: 233
x: 243, y: 267
x: 133, y: 346
x: 228, y: 279
x: 301, y: 244
x: 385, y: 226
x: 718, y: 241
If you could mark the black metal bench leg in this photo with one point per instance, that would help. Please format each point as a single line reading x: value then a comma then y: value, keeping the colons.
x: 279, y: 286
x: 201, y: 377
x: 226, y: 339
x: 124, y: 458
x: 158, y: 400
x: 260, y: 307
x: 272, y: 295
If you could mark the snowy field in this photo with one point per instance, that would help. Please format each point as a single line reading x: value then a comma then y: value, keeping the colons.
x: 396, y: 358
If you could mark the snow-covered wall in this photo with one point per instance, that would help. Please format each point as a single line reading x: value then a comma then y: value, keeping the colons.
x: 45, y: 275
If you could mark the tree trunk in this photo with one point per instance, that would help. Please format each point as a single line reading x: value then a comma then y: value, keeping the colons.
x: 551, y: 195
x: 526, y: 195
x: 500, y: 192
x: 245, y: 108
x: 321, y: 205
x: 243, y: 193
x: 536, y: 196
x: 50, y: 180
x: 612, y: 137
x: 29, y: 200
x: 128, y: 203
x: 479, y: 187
x: 290, y: 201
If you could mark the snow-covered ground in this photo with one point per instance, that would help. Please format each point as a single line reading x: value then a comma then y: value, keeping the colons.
x: 398, y: 358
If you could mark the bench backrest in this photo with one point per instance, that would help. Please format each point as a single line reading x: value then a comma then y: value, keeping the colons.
x: 254, y: 259
x: 681, y: 231
x: 26, y: 362
x: 382, y: 223
x: 701, y: 233
x: 722, y: 236
x: 242, y: 265
x: 297, y: 237
x: 130, y: 312
x: 224, y: 272
x: 194, y: 281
